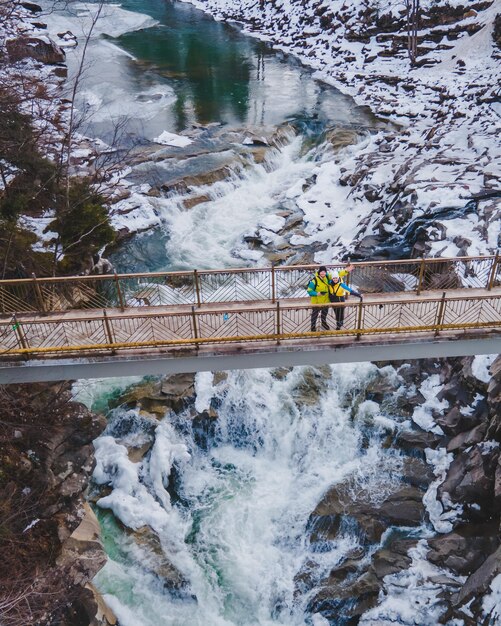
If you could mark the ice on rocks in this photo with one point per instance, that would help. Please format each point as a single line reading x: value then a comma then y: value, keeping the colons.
x: 113, y: 21
x: 441, y: 518
x: 272, y: 222
x: 480, y: 366
x: 423, y: 413
x: 171, y: 139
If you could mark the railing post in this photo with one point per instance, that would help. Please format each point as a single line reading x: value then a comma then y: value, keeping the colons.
x: 119, y: 293
x: 39, y: 296
x: 194, y: 322
x: 278, y: 329
x: 108, y: 330
x: 347, y: 278
x: 440, y: 314
x: 273, y: 294
x: 21, y: 337
x: 197, y: 286
x: 359, y: 319
x: 421, y: 276
x: 492, y: 275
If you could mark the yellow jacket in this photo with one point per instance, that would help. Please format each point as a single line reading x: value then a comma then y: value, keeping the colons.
x: 318, y: 288
x: 339, y: 289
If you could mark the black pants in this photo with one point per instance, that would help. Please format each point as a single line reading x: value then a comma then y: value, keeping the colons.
x: 339, y: 311
x: 323, y: 316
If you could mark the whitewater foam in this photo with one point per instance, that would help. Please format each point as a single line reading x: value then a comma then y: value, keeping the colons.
x: 238, y: 530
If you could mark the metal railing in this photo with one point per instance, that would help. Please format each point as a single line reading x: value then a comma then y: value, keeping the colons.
x: 50, y: 295
x: 103, y: 333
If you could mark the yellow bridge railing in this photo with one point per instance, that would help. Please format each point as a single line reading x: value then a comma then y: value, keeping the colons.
x: 52, y: 295
x: 112, y: 332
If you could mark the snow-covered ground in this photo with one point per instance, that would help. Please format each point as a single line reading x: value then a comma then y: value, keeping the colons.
x: 446, y: 148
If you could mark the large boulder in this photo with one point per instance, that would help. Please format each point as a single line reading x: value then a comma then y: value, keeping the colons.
x: 464, y: 550
x: 478, y: 583
x: 392, y: 558
x: 354, y: 585
x: 156, y: 562
x: 174, y: 392
x: 178, y: 390
x: 43, y: 50
x: 348, y: 601
x: 417, y: 440
x: 457, y: 420
x: 455, y: 392
x: 468, y: 438
x: 417, y: 473
x: 404, y: 507
x: 311, y: 385
x: 470, y: 477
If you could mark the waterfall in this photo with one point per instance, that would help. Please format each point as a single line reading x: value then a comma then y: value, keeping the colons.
x: 231, y: 509
x: 209, y: 235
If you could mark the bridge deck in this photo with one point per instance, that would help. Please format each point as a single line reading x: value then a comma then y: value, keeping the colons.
x: 386, y: 314
x: 235, y: 307
x: 166, y: 322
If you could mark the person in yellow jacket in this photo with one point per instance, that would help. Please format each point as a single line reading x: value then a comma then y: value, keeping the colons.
x: 318, y: 289
x: 338, y: 290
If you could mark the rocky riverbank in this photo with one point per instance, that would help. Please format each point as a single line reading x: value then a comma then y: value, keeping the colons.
x: 439, y: 168
x: 51, y: 548
x: 458, y: 497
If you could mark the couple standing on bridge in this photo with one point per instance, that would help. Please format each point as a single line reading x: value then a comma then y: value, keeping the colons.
x: 326, y: 287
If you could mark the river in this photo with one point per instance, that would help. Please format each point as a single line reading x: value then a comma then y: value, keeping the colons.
x: 186, y: 73
x: 229, y: 505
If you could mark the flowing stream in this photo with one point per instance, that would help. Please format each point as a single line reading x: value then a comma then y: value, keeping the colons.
x: 231, y: 506
x: 228, y: 500
x: 161, y: 67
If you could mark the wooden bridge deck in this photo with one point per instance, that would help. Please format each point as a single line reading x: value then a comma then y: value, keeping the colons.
x: 136, y: 330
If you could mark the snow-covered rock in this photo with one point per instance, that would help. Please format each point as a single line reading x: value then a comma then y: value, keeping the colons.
x: 446, y: 149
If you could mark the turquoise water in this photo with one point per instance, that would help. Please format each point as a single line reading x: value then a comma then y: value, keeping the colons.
x: 211, y: 73
x: 184, y: 73
x: 208, y: 63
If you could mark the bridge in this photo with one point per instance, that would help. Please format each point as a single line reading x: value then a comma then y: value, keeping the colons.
x: 166, y: 322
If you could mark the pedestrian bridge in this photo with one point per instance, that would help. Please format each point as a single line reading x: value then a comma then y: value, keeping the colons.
x: 160, y: 323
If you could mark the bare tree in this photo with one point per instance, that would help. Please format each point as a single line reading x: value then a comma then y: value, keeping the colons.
x: 37, y: 171
x: 412, y: 15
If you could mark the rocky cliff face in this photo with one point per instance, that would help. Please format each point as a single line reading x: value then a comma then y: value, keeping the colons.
x: 467, y: 547
x: 51, y: 548
x: 472, y: 548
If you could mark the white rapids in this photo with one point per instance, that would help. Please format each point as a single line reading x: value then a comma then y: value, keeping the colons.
x: 237, y: 528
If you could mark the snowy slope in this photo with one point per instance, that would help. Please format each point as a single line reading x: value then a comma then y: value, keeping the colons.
x: 448, y: 148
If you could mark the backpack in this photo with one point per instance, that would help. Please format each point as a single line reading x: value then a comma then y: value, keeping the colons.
x: 313, y: 280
